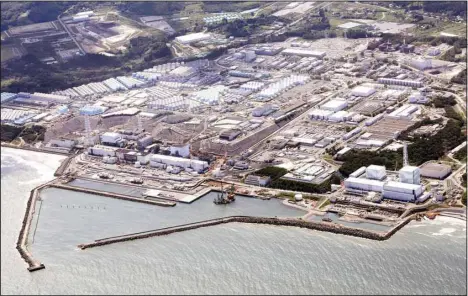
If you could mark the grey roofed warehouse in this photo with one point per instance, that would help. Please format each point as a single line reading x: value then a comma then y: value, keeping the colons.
x: 435, y: 170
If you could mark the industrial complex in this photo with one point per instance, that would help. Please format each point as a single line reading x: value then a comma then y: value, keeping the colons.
x: 272, y: 119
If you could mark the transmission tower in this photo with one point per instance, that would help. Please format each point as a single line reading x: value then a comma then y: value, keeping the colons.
x: 140, y: 123
x: 88, y: 141
x: 405, y: 154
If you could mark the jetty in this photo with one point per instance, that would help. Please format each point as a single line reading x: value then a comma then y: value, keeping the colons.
x: 319, y: 226
x: 114, y: 195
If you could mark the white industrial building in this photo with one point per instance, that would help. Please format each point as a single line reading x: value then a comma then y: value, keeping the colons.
x: 402, y: 191
x: 196, y: 165
x: 341, y: 116
x: 264, y: 110
x: 37, y: 96
x: 62, y: 143
x: 335, y: 105
x: 352, y: 133
x: 101, y: 150
x: 6, y: 97
x: 191, y: 38
x: 111, y: 138
x: 303, y: 53
x: 181, y: 150
x: 359, y: 172
x: 364, y: 184
x: 404, y: 111
x: 114, y: 84
x: 362, y: 91
x: 410, y: 175
x: 376, y: 172
x: 418, y: 98
x: 319, y: 114
x: 130, y: 82
x: 421, y: 63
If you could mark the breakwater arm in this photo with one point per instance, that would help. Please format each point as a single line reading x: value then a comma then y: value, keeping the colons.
x: 22, y: 242
x: 319, y: 226
x: 115, y: 195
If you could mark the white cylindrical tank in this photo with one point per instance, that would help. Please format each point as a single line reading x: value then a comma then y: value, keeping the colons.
x: 298, y: 197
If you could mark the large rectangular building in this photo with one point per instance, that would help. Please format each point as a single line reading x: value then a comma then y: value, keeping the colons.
x: 303, y: 53
x: 364, y: 184
x: 191, y: 38
x: 196, y: 165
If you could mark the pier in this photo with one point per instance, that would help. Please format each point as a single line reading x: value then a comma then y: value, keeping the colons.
x: 319, y: 226
x: 114, y: 195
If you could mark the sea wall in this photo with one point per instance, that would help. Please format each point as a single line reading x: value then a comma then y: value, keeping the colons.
x: 319, y: 226
x: 63, y: 166
x: 114, y: 195
x: 21, y: 243
x: 7, y: 145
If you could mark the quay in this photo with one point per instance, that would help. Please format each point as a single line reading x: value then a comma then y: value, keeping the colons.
x: 319, y: 226
x: 114, y: 195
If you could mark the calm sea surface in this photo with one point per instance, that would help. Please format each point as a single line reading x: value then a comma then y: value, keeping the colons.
x: 427, y: 257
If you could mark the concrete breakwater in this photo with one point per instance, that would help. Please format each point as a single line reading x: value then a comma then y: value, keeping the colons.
x: 319, y: 226
x: 115, y: 195
x: 34, y: 149
x: 22, y: 242
x: 63, y: 166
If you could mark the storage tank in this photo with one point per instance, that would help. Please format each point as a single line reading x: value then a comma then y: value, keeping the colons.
x: 298, y: 197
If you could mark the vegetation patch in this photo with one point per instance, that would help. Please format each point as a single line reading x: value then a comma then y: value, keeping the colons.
x: 421, y: 150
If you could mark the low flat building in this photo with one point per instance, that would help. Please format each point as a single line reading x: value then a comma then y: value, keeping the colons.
x: 435, y: 171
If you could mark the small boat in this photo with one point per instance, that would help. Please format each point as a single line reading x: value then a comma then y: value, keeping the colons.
x: 327, y: 219
x: 223, y: 198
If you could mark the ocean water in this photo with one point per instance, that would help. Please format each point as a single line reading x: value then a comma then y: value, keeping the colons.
x: 427, y: 257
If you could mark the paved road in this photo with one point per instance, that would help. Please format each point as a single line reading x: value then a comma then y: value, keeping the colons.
x: 70, y: 34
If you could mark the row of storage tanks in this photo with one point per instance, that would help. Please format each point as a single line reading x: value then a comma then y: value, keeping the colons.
x: 284, y: 84
x: 392, y: 81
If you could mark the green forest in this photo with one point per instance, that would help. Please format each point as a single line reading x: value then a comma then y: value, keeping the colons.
x: 275, y: 173
x: 421, y: 150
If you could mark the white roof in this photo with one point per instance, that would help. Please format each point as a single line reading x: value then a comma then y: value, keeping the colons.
x: 193, y: 37
x: 363, y: 90
x: 365, y: 181
x: 111, y: 134
x: 409, y: 168
x: 304, y: 52
x: 376, y: 167
x: 334, y: 103
x: 403, y: 185
x: 349, y: 25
